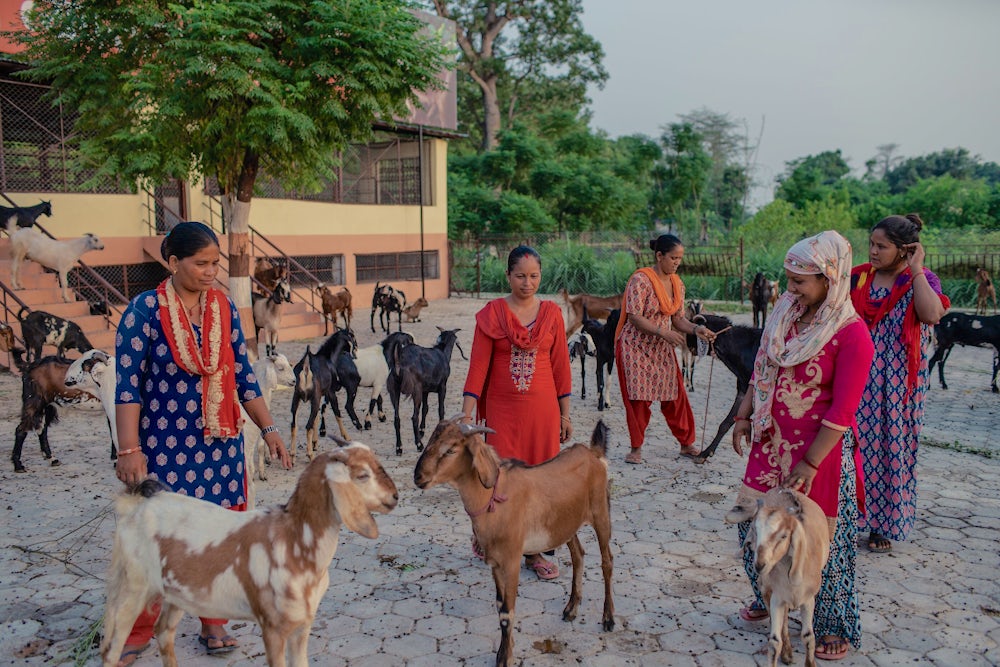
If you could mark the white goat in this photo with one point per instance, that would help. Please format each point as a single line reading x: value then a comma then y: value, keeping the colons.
x: 790, y: 538
x: 271, y: 372
x: 269, y: 565
x: 518, y: 509
x: 374, y: 371
x: 96, y: 369
x: 61, y: 256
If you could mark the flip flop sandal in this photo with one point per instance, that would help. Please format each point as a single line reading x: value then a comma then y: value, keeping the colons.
x: 134, y: 654
x: 690, y: 453
x: 217, y: 650
x: 879, y: 544
x: 545, y: 570
x: 634, y: 457
x: 754, y: 611
x: 839, y: 655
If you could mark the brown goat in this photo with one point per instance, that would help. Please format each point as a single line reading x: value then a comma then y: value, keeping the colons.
x: 790, y: 540
x: 412, y: 312
x: 7, y: 342
x: 518, y: 509
x: 269, y: 273
x: 334, y: 304
x: 985, y: 292
x: 598, y: 307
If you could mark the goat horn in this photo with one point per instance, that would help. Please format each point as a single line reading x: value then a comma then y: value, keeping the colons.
x: 470, y: 429
x: 340, y: 441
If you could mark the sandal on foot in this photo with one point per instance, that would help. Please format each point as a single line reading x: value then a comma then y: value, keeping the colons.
x: 130, y: 655
x: 754, y: 611
x: 690, y: 451
x: 545, y: 569
x: 635, y: 456
x: 217, y: 650
x: 834, y: 648
x: 878, y: 544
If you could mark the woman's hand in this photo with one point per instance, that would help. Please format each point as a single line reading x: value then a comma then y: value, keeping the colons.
x: 674, y: 337
x: 131, y: 468
x: 276, y: 447
x: 914, y: 257
x: 800, y: 478
x: 703, y: 332
x: 565, y: 429
x: 741, y: 431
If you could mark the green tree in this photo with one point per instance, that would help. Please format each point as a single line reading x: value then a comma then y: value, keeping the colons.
x: 955, y: 162
x: 524, y: 56
x: 173, y: 89
x: 812, y: 178
x: 684, y: 174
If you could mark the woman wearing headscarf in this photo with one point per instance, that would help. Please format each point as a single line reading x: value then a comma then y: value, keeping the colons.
x: 900, y: 301
x: 651, y: 326
x: 799, y: 417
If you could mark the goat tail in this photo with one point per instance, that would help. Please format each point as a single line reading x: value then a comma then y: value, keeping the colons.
x: 599, y: 439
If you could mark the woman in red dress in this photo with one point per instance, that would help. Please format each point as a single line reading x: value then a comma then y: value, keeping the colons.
x: 519, y: 378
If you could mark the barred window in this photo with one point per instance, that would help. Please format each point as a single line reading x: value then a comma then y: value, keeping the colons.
x: 129, y: 279
x: 397, y: 266
x: 328, y: 269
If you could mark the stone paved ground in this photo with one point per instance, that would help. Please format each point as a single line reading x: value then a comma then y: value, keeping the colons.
x: 415, y: 596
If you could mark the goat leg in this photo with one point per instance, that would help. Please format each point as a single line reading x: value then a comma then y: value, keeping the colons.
x: 506, y: 580
x: 166, y: 632
x: 274, y: 646
x: 724, y: 427
x: 808, y: 635
x: 15, y: 456
x: 576, y: 555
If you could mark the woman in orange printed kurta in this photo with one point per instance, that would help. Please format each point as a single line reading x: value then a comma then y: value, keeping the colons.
x: 519, y: 375
x: 652, y: 325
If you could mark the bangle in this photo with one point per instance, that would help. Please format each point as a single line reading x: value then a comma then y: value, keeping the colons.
x: 741, y: 419
x: 126, y: 452
x: 809, y: 463
x: 268, y: 430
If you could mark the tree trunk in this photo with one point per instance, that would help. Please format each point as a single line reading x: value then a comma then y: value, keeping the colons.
x: 238, y: 224
x: 491, y: 112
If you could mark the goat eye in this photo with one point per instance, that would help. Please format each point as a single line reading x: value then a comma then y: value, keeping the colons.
x: 363, y: 477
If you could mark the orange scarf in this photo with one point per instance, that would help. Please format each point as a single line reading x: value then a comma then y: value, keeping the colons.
x: 668, y: 306
x: 215, y: 361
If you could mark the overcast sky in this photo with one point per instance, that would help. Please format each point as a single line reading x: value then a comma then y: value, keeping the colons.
x: 819, y: 74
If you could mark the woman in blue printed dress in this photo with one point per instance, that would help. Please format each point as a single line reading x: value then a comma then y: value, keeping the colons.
x: 182, y: 374
x: 900, y: 301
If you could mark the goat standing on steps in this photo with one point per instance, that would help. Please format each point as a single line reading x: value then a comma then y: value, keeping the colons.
x: 267, y: 315
x: 270, y: 565
x: 518, y: 509
x: 60, y: 256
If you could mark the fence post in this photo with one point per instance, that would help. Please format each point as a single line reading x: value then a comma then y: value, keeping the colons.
x: 740, y: 287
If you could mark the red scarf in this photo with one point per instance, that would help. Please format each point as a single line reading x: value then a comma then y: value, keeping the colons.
x: 872, y: 313
x: 668, y: 305
x: 215, y: 361
x: 497, y: 320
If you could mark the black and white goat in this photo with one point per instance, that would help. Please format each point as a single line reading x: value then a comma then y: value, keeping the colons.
x: 25, y: 216
x: 963, y: 329
x: 417, y: 372
x: 581, y: 346
x: 689, y: 352
x: 603, y: 336
x: 387, y: 300
x: 95, y: 373
x: 39, y: 328
x: 267, y: 315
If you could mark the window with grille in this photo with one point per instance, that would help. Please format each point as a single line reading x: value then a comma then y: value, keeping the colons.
x: 327, y: 269
x: 397, y: 266
x: 129, y: 279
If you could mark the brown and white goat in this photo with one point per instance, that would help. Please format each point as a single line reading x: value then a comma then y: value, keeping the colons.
x: 985, y: 291
x: 598, y: 307
x: 518, y: 509
x: 267, y: 315
x: 412, y: 312
x: 60, y: 256
x: 269, y: 273
x: 335, y: 304
x: 790, y: 540
x: 269, y: 565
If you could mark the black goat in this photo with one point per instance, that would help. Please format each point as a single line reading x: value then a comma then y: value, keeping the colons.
x: 736, y: 349
x: 760, y: 296
x: 416, y: 371
x: 39, y: 328
x: 340, y: 349
x: 26, y: 215
x: 977, y: 330
x: 581, y: 346
x: 689, y: 352
x: 387, y: 300
x: 43, y: 390
x: 603, y: 336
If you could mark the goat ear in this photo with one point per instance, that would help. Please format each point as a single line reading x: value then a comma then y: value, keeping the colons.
x: 742, y: 512
x: 485, y: 462
x: 351, y: 506
x: 797, y: 552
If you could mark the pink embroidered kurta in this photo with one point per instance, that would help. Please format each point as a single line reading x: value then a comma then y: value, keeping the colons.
x: 823, y: 391
x: 517, y: 389
x: 649, y: 363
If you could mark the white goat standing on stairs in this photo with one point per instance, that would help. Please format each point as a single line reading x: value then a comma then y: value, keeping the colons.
x: 60, y: 256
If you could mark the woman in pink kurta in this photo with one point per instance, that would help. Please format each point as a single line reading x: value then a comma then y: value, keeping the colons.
x: 808, y: 377
x: 519, y: 378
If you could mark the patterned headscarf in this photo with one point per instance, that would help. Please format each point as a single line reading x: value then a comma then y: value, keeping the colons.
x: 829, y: 254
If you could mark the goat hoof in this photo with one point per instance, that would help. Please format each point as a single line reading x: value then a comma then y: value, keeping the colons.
x: 55, y: 462
x: 19, y: 468
x: 420, y: 446
x: 609, y: 624
x: 382, y: 419
x: 399, y: 452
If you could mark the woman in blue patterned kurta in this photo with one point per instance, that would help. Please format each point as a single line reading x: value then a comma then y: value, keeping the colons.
x: 182, y: 374
x: 899, y: 300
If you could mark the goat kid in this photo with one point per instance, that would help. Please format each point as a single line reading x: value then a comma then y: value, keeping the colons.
x: 270, y: 372
x: 581, y: 346
x: 963, y: 329
x: 60, y: 256
x: 269, y: 565
x: 599, y: 307
x: 43, y: 391
x: 985, y: 291
x: 334, y: 304
x: 518, y: 509
x: 760, y: 296
x: 39, y: 328
x: 689, y: 351
x: 95, y: 372
x: 603, y: 336
x: 790, y: 541
x: 412, y: 312
x: 267, y: 315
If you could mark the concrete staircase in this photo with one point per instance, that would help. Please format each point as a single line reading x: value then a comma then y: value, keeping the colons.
x: 42, y: 292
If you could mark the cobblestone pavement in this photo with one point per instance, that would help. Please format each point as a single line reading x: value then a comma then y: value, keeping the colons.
x: 416, y: 596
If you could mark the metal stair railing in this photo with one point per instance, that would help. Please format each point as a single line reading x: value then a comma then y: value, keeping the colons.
x: 7, y: 295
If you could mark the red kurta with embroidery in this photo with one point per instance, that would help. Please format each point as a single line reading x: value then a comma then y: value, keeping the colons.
x: 649, y: 363
x: 518, y: 390
x: 823, y: 391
